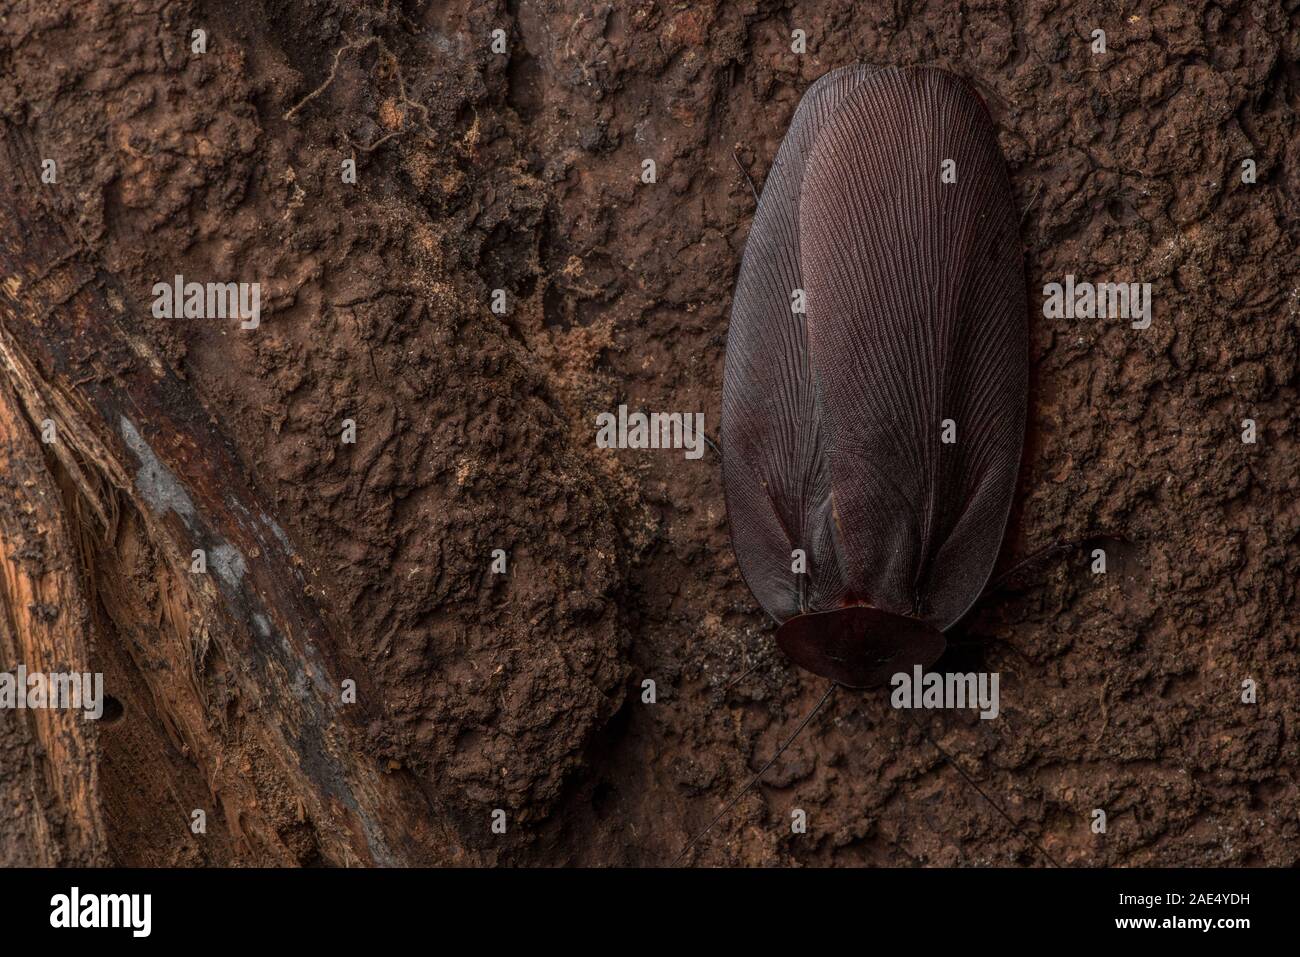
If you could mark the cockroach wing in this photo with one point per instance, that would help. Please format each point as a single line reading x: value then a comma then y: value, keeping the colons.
x: 775, y: 471
x: 917, y: 338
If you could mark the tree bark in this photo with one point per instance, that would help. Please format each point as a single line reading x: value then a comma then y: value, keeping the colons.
x: 135, y: 481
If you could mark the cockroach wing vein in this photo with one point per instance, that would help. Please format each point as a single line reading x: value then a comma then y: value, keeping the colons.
x: 775, y: 470
x: 919, y: 329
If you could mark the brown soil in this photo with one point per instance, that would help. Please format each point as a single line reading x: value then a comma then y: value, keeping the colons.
x: 475, y: 431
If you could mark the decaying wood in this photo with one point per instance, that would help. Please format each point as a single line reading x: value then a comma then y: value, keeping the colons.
x: 49, y: 813
x: 237, y: 666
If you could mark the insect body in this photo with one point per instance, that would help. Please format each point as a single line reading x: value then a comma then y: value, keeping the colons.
x: 874, y: 396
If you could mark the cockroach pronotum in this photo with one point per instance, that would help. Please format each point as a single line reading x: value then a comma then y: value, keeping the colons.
x: 875, y: 392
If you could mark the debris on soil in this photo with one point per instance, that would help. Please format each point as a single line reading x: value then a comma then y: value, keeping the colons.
x: 523, y: 692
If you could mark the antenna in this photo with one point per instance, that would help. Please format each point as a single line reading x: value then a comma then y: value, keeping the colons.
x: 754, y: 780
x: 980, y: 791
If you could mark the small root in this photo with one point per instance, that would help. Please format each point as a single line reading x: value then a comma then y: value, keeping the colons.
x: 357, y: 44
x: 403, y: 99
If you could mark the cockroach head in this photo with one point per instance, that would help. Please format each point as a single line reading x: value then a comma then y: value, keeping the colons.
x: 859, y: 646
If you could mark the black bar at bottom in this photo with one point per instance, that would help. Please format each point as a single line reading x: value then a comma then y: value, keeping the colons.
x: 668, y: 908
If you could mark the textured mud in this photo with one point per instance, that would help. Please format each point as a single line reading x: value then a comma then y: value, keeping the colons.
x: 480, y: 171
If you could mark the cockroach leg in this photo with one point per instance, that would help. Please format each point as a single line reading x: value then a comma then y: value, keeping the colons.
x: 737, y: 680
x: 1030, y: 205
x: 1044, y: 552
x: 744, y: 172
x: 711, y: 444
x: 1034, y: 557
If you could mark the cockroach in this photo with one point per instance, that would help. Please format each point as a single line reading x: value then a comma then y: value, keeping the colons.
x: 875, y: 391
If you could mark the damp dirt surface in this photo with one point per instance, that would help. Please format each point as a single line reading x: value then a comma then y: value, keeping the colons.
x: 521, y: 171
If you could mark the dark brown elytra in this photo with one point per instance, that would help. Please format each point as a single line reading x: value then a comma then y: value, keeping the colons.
x: 834, y: 418
x: 888, y: 216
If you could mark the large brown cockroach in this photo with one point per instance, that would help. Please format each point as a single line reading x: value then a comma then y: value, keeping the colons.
x: 874, y: 398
